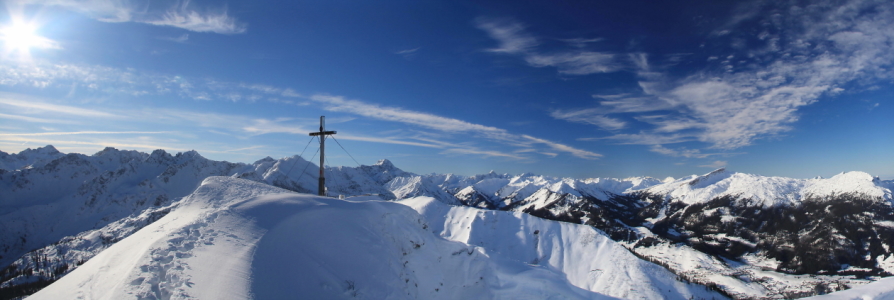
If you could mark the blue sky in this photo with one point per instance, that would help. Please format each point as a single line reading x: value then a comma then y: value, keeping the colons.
x: 577, y: 89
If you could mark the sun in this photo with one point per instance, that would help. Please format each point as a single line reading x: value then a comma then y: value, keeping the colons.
x: 20, y: 37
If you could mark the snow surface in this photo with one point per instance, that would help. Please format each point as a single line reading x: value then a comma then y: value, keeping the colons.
x: 588, y: 258
x: 239, y: 239
x: 770, y: 191
x: 879, y: 290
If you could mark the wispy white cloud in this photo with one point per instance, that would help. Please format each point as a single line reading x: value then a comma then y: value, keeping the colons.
x: 186, y: 18
x: 265, y: 126
x: 244, y: 149
x: 715, y: 164
x: 632, y: 104
x: 590, y: 116
x: 178, y: 14
x: 290, y: 93
x: 81, y: 132
x: 645, y: 138
x: 581, y: 42
x: 514, y: 40
x: 687, y: 153
x: 408, y: 51
x: 482, y: 152
x: 180, y: 39
x: 576, y: 62
x: 340, y: 104
x: 387, y: 141
x: 29, y: 104
x: 510, y: 34
x: 565, y: 148
x: 33, y: 119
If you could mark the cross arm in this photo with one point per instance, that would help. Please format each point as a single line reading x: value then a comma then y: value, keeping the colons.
x: 322, y: 133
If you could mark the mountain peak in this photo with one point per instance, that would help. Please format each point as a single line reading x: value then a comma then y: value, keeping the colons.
x: 48, y: 149
x: 710, y: 178
x: 45, y: 150
x: 190, y: 154
x: 385, y: 163
x: 106, y: 151
x: 29, y: 158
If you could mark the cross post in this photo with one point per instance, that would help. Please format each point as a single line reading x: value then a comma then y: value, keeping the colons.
x: 322, y: 134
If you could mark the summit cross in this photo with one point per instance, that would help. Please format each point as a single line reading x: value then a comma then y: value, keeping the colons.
x: 322, y: 134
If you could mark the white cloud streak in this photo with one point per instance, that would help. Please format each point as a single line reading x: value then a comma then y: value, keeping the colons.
x: 717, y: 164
x: 34, y: 120
x: 590, y: 116
x: 514, y: 40
x: 83, y: 132
x: 340, y: 104
x: 565, y: 148
x: 687, y: 153
x: 180, y: 39
x: 9, y: 99
x: 645, y: 138
x: 178, y: 14
x: 407, y: 51
x: 387, y: 141
x: 483, y: 153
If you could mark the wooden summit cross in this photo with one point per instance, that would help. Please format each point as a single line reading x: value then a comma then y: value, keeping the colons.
x: 322, y: 134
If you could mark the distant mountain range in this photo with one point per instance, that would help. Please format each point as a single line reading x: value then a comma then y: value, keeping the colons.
x: 741, y: 235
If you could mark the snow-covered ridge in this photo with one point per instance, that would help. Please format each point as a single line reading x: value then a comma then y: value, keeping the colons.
x: 236, y: 239
x: 28, y: 158
x: 770, y: 191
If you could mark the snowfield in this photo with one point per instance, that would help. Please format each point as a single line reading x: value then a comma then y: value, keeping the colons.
x: 240, y: 239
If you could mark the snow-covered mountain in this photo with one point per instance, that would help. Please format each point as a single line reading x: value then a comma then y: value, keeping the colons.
x: 236, y: 239
x: 27, y: 158
x: 743, y: 235
x: 747, y: 235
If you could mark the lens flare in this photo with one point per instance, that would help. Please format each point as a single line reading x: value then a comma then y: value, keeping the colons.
x: 20, y: 37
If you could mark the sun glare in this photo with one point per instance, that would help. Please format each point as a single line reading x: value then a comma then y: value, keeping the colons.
x: 20, y: 37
